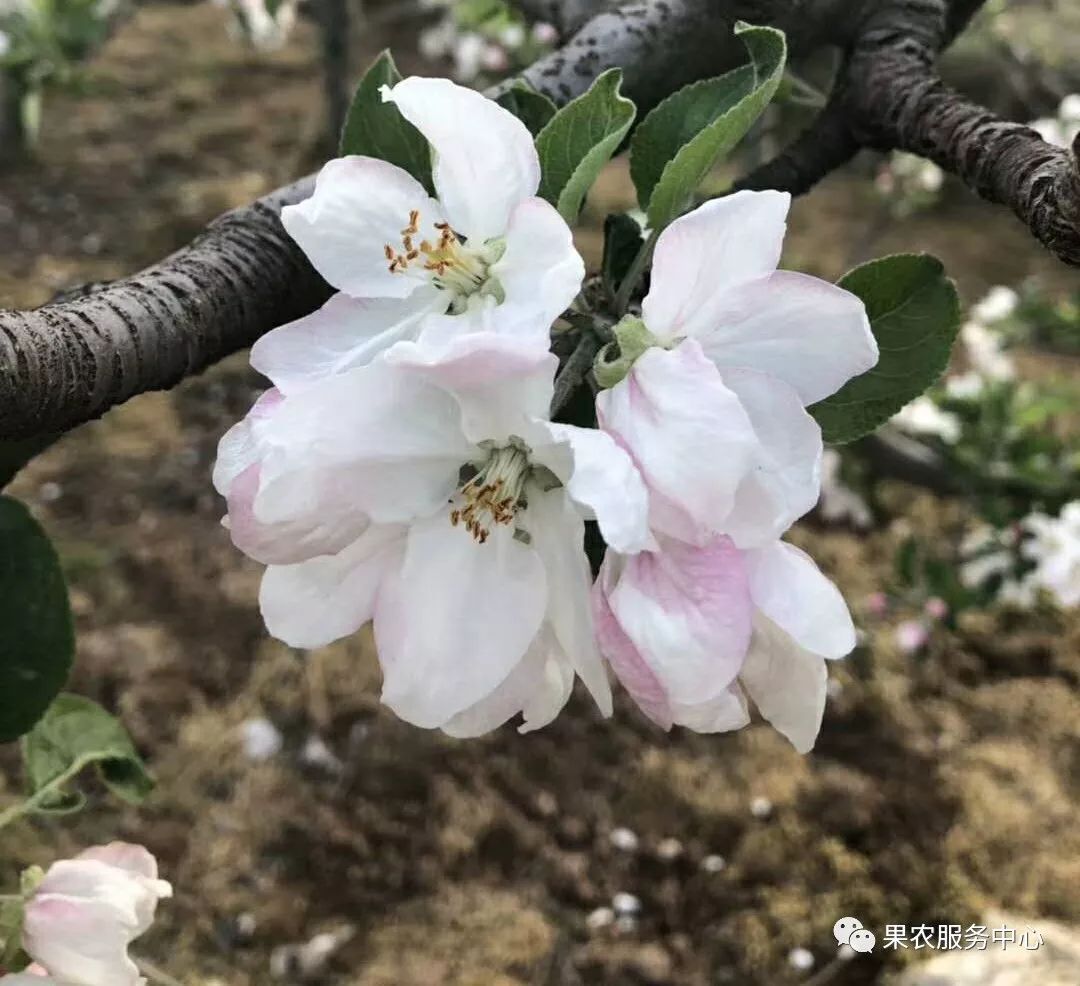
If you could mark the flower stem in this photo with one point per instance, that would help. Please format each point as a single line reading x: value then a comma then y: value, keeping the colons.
x: 633, y: 275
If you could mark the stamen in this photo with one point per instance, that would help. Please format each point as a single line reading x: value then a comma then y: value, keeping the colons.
x: 495, y: 494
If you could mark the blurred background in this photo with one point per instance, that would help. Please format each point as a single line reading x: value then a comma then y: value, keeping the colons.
x: 312, y: 837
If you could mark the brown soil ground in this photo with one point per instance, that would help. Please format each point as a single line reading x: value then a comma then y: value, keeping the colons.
x: 941, y: 787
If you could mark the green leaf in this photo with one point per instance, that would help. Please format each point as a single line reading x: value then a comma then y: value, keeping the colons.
x: 914, y: 313
x: 532, y: 108
x: 36, y: 636
x: 377, y: 129
x: 678, y: 143
x: 622, y: 241
x: 73, y: 734
x: 579, y: 140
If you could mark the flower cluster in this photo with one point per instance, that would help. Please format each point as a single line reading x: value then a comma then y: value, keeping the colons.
x: 79, y: 917
x: 404, y: 468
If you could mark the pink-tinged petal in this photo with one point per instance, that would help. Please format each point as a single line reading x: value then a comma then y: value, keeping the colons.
x: 726, y: 712
x: 500, y: 383
x: 305, y: 533
x: 688, y: 435
x: 791, y: 591
x: 344, y: 333
x: 540, y: 273
x: 125, y: 856
x: 81, y: 942
x: 630, y: 667
x: 119, y: 875
x: 241, y: 446
x: 806, y: 331
x: 456, y: 620
x: 687, y: 611
x: 34, y: 975
x: 600, y: 476
x: 703, y: 254
x: 538, y: 688
x: 786, y: 682
x: 785, y: 481
x: 321, y: 600
x: 558, y: 538
x: 360, y: 207
x: 485, y: 162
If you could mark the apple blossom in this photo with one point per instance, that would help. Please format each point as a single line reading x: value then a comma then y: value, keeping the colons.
x: 693, y: 632
x: 429, y: 492
x: 923, y: 417
x: 1053, y: 545
x: 487, y: 254
x: 81, y: 918
x: 710, y: 390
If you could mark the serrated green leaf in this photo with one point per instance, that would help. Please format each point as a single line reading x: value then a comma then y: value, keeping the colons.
x: 532, y: 108
x: 914, y: 313
x: 579, y: 140
x: 76, y: 733
x: 36, y: 636
x: 377, y: 129
x: 678, y: 143
x: 622, y: 241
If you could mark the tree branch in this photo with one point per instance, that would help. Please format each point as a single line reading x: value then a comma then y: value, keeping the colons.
x: 889, y: 96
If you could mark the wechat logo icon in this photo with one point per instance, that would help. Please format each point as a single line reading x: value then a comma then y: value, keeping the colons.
x: 850, y: 932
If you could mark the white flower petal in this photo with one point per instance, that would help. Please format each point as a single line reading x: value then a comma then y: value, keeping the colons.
x: 315, y: 602
x: 538, y: 688
x: 722, y: 714
x: 344, y: 333
x: 359, y: 207
x: 791, y: 591
x: 540, y: 273
x: 602, y: 478
x: 80, y: 942
x: 386, y: 444
x: 805, y: 331
x: 485, y: 163
x: 242, y: 446
x: 687, y: 611
x: 701, y: 255
x: 688, y: 435
x: 786, y: 683
x: 785, y: 481
x: 457, y: 619
x: 501, y: 383
x: 558, y: 537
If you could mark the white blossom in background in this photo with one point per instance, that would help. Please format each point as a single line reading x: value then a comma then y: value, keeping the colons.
x: 839, y: 503
x: 997, y: 304
x: 923, y: 417
x: 1053, y: 544
x: 253, y: 21
x: 486, y: 255
x: 713, y: 411
x: 5, y: 44
x: 84, y: 914
x: 985, y: 352
x: 1061, y: 130
x: 429, y: 492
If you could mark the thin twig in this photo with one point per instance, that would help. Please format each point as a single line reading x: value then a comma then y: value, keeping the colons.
x: 155, y: 973
x: 574, y: 371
